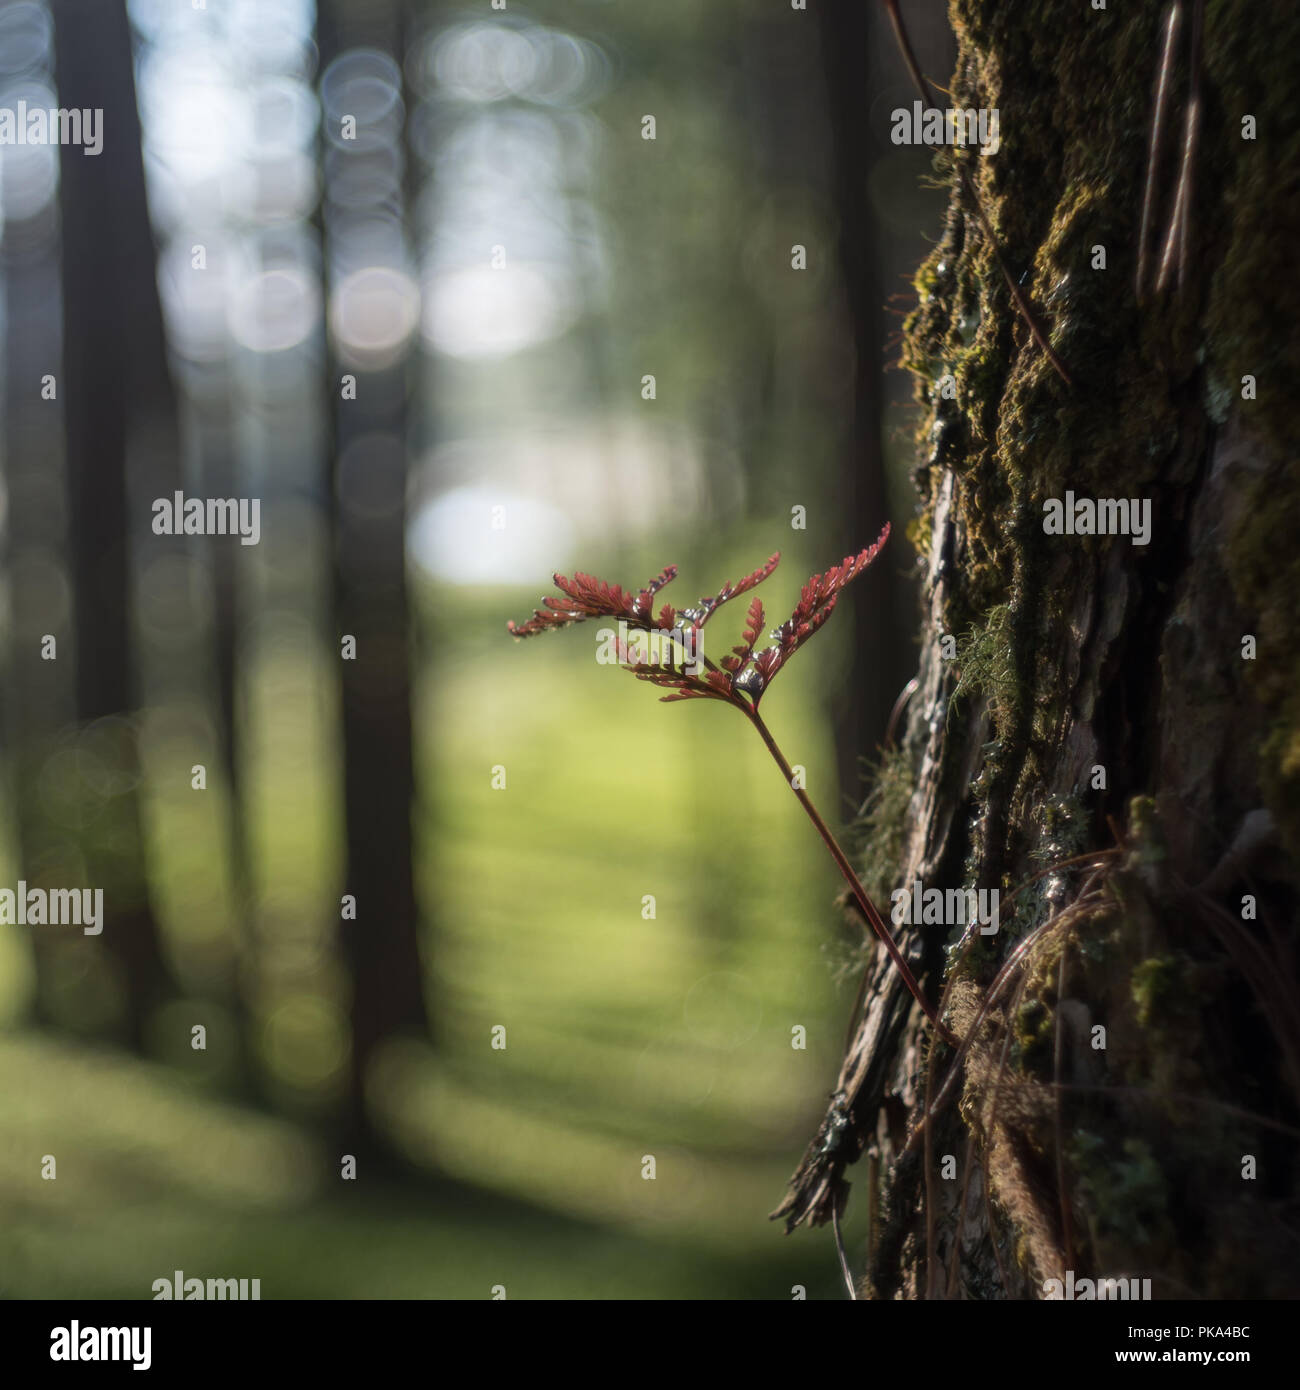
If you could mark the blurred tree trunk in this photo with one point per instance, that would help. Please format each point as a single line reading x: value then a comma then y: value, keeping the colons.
x: 881, y: 660
x: 369, y: 500
x: 37, y: 694
x: 1104, y: 700
x: 214, y: 421
x: 115, y: 390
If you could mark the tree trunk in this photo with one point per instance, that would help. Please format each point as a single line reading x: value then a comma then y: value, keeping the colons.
x: 116, y: 392
x: 368, y: 492
x: 881, y: 655
x: 1128, y: 1104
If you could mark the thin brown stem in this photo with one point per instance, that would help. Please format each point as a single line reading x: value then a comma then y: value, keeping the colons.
x: 864, y: 902
x: 1156, y: 146
x: 1058, y: 1046
x: 837, y: 1202
x: 900, y: 705
x: 929, y: 1215
x: 1189, y: 148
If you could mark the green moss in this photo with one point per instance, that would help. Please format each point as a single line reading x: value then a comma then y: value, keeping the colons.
x: 1034, y: 1036
x: 1146, y: 847
x: 1063, y: 828
x: 1157, y: 988
x: 1029, y: 435
x: 1171, y: 994
x: 1125, y: 1190
x: 880, y: 830
x: 984, y: 663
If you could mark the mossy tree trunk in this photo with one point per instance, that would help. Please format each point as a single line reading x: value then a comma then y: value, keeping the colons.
x: 1128, y: 1104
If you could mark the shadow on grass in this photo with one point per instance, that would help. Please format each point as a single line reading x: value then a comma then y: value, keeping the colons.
x: 150, y: 1177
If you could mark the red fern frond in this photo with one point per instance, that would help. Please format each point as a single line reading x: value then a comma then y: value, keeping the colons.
x: 684, y: 687
x: 753, y: 626
x: 740, y: 674
x: 816, y: 603
x: 641, y: 604
x: 709, y: 606
x: 585, y: 596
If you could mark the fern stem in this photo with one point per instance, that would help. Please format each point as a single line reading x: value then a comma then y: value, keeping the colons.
x: 864, y: 902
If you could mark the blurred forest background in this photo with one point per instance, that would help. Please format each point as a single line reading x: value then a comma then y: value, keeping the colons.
x: 498, y: 258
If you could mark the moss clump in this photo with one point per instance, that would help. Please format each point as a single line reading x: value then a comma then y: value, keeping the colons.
x: 984, y: 664
x: 1125, y: 1191
x: 1171, y: 993
x: 1156, y: 988
x: 879, y: 832
x: 1034, y: 1036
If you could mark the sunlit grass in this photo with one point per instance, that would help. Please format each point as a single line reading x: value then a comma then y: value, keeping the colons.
x: 670, y: 1030
x: 150, y: 1179
x: 629, y: 1036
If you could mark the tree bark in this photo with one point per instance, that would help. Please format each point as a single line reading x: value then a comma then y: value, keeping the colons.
x: 1106, y: 740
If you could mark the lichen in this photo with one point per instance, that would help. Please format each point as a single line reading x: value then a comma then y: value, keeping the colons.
x: 984, y: 665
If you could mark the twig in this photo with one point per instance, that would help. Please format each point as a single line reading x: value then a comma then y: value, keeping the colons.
x: 1173, y: 20
x: 900, y: 705
x: 836, y: 1204
x: 1058, y: 1042
x: 1178, y: 236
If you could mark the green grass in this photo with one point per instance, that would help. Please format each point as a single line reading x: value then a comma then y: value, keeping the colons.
x: 627, y: 1037
x: 150, y: 1179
